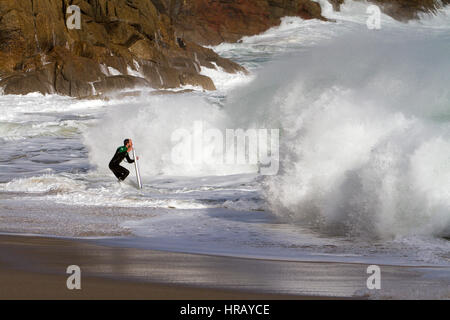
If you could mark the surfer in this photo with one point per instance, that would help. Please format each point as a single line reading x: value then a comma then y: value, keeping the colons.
x: 122, y: 153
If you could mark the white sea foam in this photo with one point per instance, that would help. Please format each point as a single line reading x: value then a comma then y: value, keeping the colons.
x: 151, y: 123
x: 225, y: 81
x: 369, y: 136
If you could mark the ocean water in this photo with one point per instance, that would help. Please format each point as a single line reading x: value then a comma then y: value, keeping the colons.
x: 364, y: 119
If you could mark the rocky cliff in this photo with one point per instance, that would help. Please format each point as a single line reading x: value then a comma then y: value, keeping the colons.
x: 121, y: 44
x: 211, y: 22
x: 403, y: 10
x: 214, y: 21
x: 127, y: 43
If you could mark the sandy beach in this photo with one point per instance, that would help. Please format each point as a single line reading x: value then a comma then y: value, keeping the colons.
x: 35, y: 268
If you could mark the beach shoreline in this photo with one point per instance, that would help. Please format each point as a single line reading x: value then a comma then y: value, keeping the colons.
x: 35, y: 268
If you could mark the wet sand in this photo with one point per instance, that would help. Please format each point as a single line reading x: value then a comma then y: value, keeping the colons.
x: 35, y: 268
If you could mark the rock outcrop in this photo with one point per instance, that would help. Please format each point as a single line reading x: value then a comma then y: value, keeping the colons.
x: 210, y: 22
x: 403, y: 10
x: 121, y: 44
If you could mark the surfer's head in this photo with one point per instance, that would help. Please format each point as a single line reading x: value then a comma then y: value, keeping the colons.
x: 128, y: 143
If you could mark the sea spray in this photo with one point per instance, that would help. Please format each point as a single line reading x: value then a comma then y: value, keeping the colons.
x: 365, y: 136
x: 361, y: 120
x: 152, y: 122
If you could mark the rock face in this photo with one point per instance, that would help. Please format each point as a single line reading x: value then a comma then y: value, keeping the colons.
x: 403, y: 10
x: 409, y: 9
x: 211, y: 22
x: 121, y: 44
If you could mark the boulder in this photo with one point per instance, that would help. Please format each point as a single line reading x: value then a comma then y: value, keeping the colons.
x: 116, y: 83
x: 35, y: 81
x: 197, y: 80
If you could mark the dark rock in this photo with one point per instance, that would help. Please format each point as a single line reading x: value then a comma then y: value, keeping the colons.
x: 197, y: 80
x: 212, y: 22
x: 34, y: 81
x: 336, y: 4
x: 402, y: 10
x: 115, y: 83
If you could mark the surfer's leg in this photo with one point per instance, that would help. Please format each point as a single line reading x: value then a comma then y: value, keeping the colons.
x: 121, y: 173
x: 125, y: 173
x: 117, y: 170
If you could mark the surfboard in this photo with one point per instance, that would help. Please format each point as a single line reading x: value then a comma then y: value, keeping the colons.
x: 136, y: 166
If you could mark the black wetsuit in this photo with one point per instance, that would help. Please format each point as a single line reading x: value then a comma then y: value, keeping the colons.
x: 120, y: 172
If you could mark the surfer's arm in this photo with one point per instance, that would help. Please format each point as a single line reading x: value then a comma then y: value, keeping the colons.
x: 129, y: 159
